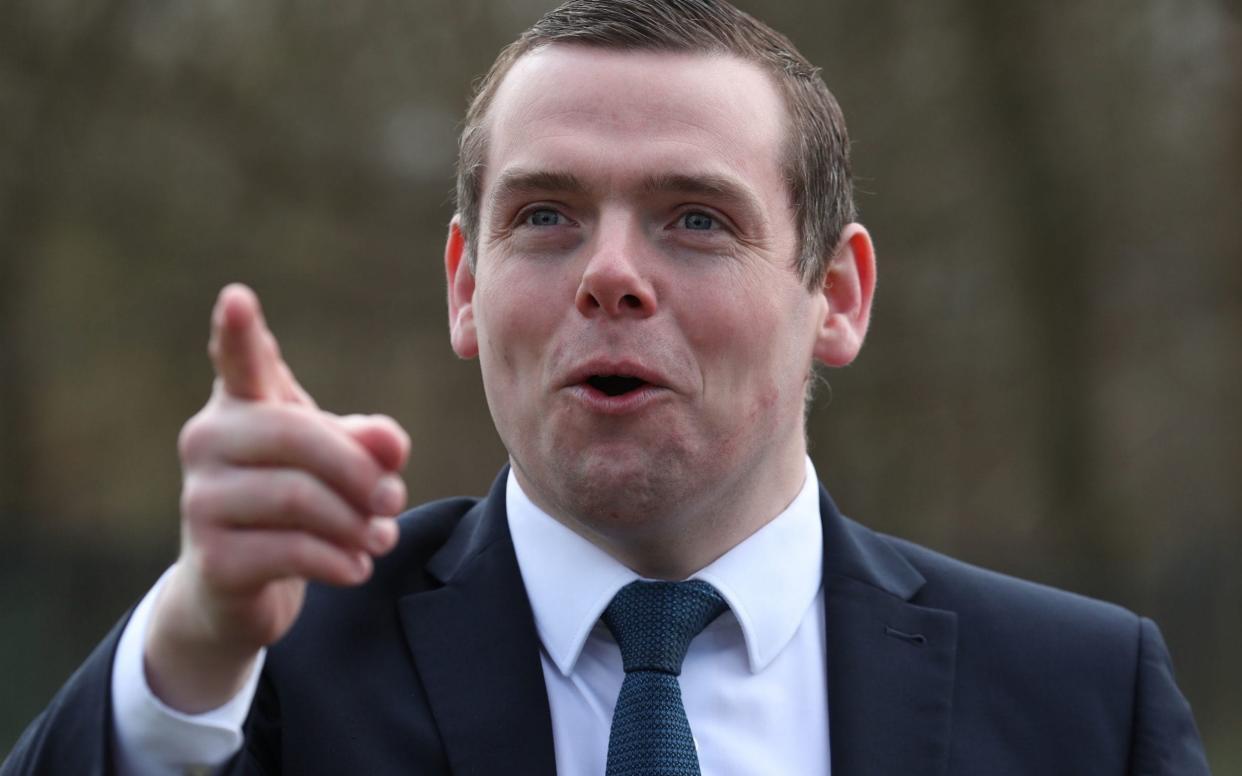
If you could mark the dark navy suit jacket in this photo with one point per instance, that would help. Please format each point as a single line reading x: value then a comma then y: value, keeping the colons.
x: 935, y: 667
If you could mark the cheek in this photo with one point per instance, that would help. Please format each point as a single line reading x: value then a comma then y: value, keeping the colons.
x: 518, y: 316
x: 735, y: 339
x: 500, y: 351
x: 510, y: 319
x: 754, y: 357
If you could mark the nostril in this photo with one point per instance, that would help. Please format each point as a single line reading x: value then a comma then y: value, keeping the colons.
x: 599, y: 295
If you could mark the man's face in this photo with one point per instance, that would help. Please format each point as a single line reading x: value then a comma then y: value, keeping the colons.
x: 644, y: 341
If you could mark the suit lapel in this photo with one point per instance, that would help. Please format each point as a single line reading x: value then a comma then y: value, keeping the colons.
x: 891, y: 663
x: 477, y: 652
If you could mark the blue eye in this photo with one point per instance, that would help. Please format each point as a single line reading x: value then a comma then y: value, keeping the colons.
x: 543, y: 217
x: 698, y: 221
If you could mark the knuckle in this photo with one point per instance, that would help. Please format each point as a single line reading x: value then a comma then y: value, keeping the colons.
x: 191, y: 498
x: 295, y: 498
x: 287, y: 430
x: 192, y: 437
x: 197, y: 500
x: 204, y: 434
x: 301, y: 553
x: 361, y: 476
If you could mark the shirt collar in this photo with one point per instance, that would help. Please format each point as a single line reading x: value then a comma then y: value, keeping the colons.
x: 769, y: 580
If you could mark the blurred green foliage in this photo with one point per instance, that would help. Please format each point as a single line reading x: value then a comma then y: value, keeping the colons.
x: 1051, y: 387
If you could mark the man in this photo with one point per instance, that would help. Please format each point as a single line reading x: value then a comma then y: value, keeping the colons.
x: 655, y: 241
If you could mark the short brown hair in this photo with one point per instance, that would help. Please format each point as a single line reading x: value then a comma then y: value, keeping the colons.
x: 817, y: 163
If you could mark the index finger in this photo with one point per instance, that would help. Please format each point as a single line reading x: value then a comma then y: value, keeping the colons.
x: 243, y: 350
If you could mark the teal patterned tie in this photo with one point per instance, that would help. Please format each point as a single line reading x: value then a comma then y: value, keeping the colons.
x: 653, y: 623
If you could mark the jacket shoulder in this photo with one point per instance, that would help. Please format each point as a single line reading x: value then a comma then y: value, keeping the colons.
x: 73, y: 734
x: 1086, y: 670
x: 1028, y: 646
x: 977, y: 592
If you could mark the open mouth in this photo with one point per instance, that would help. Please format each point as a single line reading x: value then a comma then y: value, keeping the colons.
x: 615, y: 385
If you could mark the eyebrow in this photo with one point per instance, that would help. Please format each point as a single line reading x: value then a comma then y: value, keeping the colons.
x: 716, y: 187
x: 527, y: 181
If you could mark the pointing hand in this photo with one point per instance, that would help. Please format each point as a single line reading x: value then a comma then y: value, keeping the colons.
x: 276, y: 492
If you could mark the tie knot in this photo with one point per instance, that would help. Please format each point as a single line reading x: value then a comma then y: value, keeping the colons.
x: 653, y: 622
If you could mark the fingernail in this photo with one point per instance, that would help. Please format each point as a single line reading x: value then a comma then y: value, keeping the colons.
x: 388, y: 496
x: 381, y: 535
x: 362, y: 567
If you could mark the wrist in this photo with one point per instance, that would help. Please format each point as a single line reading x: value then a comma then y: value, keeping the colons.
x: 188, y: 665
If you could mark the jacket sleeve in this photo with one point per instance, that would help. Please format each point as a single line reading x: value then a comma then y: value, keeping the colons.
x: 1165, y: 740
x: 73, y: 734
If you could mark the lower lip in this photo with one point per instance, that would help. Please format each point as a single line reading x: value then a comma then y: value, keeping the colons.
x: 622, y: 404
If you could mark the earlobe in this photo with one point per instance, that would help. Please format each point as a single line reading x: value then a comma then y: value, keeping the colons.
x: 460, y: 279
x: 849, y: 287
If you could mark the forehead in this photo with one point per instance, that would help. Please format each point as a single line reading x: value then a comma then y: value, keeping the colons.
x: 617, y: 115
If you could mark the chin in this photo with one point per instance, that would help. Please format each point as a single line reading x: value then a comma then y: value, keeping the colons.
x: 626, y: 487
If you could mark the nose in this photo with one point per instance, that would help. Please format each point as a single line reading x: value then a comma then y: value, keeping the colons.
x: 613, y: 284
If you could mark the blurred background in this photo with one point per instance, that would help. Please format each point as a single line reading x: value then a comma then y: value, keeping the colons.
x: 1051, y: 388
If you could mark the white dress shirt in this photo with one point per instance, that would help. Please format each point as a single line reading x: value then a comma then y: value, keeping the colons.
x: 754, y: 682
x: 154, y: 739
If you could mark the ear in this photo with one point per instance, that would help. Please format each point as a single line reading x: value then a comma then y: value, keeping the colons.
x: 849, y: 287
x: 460, y: 278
